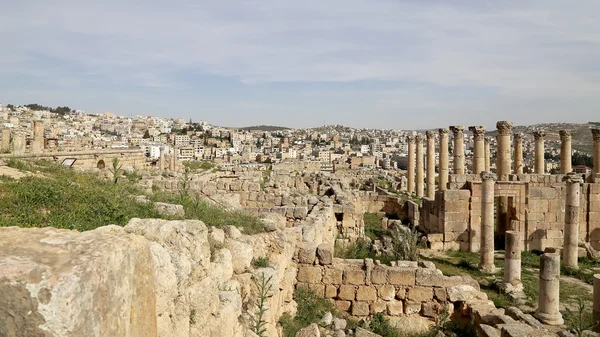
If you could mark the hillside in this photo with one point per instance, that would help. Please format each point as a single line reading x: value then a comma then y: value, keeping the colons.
x: 269, y: 128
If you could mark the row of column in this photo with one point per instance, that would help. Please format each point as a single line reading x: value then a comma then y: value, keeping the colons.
x: 548, y: 305
x: 482, y: 155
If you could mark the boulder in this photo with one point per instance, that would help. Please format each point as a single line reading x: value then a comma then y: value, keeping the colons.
x: 241, y: 253
x: 169, y: 210
x: 56, y: 282
x: 309, y: 331
x: 464, y: 292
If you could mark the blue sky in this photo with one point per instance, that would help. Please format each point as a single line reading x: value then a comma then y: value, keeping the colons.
x: 363, y: 63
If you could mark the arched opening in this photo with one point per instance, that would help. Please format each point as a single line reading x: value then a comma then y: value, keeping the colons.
x: 101, y: 165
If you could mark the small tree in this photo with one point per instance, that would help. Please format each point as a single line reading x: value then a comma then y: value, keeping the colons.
x: 116, y: 170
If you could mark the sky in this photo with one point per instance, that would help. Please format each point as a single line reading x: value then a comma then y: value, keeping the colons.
x: 389, y: 64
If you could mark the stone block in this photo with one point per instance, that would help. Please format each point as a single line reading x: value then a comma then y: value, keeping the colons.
x: 343, y: 305
x: 360, y: 308
x: 330, y: 291
x: 309, y: 274
x: 403, y: 276
x: 307, y: 252
x: 420, y: 294
x: 386, y: 292
x: 378, y: 306
x: 379, y: 276
x: 429, y: 277
x: 488, y: 331
x: 411, y: 308
x: 346, y: 292
x: 325, y: 253
x: 395, y: 308
x: 318, y: 289
x: 366, y: 293
x: 400, y: 293
x: 431, y: 309
x: 356, y: 277
x: 332, y: 276
x: 440, y: 294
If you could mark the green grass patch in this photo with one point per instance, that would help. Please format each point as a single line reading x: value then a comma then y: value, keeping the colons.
x: 361, y: 250
x: 311, y: 308
x: 373, y: 229
x: 261, y: 262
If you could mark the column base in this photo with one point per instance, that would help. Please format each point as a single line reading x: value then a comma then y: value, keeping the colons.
x: 549, y: 319
x: 488, y: 269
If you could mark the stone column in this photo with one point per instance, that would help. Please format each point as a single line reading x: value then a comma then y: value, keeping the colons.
x: 571, y: 244
x: 161, y: 159
x: 503, y: 161
x: 37, y: 144
x: 487, y: 155
x: 539, y: 163
x: 596, y: 305
x: 410, y: 174
x: 512, y: 261
x: 565, y: 151
x: 596, y: 159
x: 487, y: 223
x: 459, y: 149
x: 430, y: 178
x: 518, y: 153
x: 503, y: 152
x: 443, y: 177
x: 548, y: 301
x: 173, y: 167
x: 5, y: 143
x: 18, y: 144
x: 478, y: 149
x: 420, y: 181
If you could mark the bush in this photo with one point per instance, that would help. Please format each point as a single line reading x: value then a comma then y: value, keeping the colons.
x: 260, y: 262
x: 405, y: 244
x: 311, y: 308
x: 361, y: 249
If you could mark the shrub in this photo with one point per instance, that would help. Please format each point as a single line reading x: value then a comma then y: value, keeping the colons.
x: 405, y: 244
x: 260, y: 262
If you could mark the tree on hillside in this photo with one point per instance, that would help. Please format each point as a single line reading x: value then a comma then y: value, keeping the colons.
x: 146, y: 134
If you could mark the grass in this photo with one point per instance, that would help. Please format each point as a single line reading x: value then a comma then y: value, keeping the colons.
x: 311, y: 309
x: 63, y: 198
x: 373, y: 229
x: 361, y: 250
x: 261, y: 262
x: 199, y: 166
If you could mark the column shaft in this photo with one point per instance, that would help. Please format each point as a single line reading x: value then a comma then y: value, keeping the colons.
x: 410, y: 185
x: 565, y: 151
x: 548, y: 300
x: 512, y: 258
x: 487, y: 223
x: 478, y: 149
x: 571, y: 236
x: 503, y: 160
x: 596, y: 159
x: 488, y: 155
x: 518, y: 153
x: 430, y: 178
x: 539, y: 161
x: 443, y: 178
x: 596, y: 303
x: 459, y: 149
x: 420, y: 182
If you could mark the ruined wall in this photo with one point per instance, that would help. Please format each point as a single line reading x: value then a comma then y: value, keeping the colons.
x: 363, y: 288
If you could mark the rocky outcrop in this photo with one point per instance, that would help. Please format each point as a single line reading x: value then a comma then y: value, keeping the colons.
x: 57, y: 282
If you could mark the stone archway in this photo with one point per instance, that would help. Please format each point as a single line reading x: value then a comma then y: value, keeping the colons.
x: 101, y: 164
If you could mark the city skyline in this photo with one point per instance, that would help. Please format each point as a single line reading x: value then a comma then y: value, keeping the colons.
x: 392, y: 65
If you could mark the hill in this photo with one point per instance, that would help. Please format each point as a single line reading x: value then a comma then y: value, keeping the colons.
x: 263, y: 128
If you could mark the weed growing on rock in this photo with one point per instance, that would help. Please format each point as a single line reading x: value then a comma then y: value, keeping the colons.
x: 260, y: 262
x: 580, y: 319
x: 264, y: 288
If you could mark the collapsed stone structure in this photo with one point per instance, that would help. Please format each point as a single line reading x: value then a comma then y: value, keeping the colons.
x: 532, y: 204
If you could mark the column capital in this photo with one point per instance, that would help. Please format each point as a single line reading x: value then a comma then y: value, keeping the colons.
x: 518, y: 136
x: 419, y: 138
x: 565, y: 135
x: 478, y: 132
x: 539, y: 135
x: 443, y: 131
x: 572, y: 178
x: 504, y: 127
x: 457, y: 130
x: 596, y: 134
x: 429, y: 134
x: 487, y: 176
x: 410, y: 139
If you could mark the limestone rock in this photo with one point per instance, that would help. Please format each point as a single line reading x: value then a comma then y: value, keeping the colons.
x: 273, y: 221
x: 360, y: 332
x: 309, y: 331
x: 339, y: 324
x: 327, y: 319
x: 56, y: 282
x: 488, y: 331
x: 325, y: 253
x: 307, y: 252
x: 232, y: 232
x: 241, y: 253
x: 169, y: 210
x: 464, y: 292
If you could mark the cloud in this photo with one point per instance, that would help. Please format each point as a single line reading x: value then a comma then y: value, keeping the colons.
x: 518, y: 50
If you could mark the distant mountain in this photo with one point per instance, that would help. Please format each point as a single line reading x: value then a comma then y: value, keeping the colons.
x: 264, y: 128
